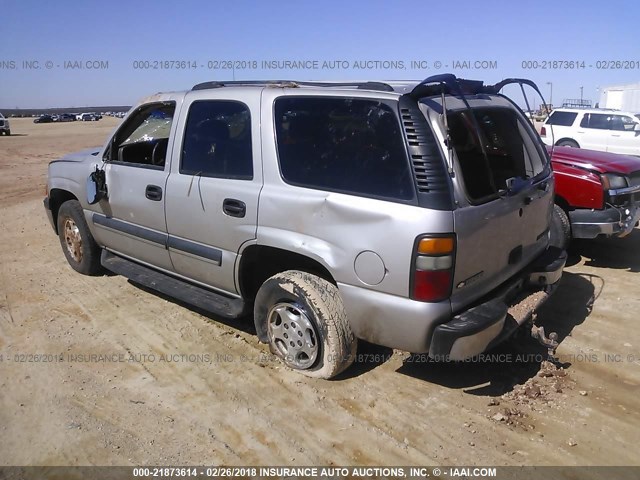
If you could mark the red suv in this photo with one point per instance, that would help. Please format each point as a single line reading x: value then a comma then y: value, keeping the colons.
x: 597, y: 193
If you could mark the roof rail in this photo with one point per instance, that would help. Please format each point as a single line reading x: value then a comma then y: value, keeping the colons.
x: 380, y: 86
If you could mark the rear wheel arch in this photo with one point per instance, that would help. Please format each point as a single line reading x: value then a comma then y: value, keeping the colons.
x: 259, y: 263
x: 567, y: 142
x: 57, y: 197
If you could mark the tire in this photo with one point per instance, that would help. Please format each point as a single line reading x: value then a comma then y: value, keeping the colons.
x: 8, y: 133
x: 560, y: 228
x: 568, y: 143
x: 78, y: 245
x: 325, y: 345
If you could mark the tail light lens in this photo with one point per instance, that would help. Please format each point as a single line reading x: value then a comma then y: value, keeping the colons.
x: 543, y: 132
x: 433, y: 262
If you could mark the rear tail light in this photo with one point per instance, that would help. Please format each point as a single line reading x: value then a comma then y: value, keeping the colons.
x: 432, y: 268
x: 543, y: 132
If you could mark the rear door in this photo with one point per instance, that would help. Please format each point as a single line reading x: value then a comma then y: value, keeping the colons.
x: 215, y: 181
x: 505, y: 199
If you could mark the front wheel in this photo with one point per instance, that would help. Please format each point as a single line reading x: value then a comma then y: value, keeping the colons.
x: 78, y: 245
x: 306, y: 323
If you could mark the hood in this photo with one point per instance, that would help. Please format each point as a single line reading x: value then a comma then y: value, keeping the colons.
x: 81, y: 155
x: 601, y: 162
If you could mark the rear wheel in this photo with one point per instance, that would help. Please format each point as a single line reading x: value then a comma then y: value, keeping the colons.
x: 560, y: 228
x: 568, y: 143
x: 306, y: 323
x: 79, y: 247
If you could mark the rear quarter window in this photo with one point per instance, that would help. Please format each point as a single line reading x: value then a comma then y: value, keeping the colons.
x: 347, y: 145
x: 564, y: 119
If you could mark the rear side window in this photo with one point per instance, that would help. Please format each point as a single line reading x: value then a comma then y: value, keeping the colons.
x: 564, y: 119
x: 217, y: 140
x: 347, y: 145
x: 512, y: 156
x: 598, y: 121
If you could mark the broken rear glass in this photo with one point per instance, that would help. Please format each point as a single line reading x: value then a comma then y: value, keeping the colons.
x: 511, y: 155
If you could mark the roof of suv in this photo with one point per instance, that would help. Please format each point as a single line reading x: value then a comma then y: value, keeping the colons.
x: 445, y: 83
x: 591, y: 110
x: 392, y: 86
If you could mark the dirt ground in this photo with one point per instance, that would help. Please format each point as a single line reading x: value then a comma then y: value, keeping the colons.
x: 171, y: 385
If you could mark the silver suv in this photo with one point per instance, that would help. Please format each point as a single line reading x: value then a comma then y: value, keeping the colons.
x: 410, y: 215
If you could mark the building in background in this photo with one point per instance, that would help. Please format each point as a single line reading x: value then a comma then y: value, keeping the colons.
x: 621, y: 97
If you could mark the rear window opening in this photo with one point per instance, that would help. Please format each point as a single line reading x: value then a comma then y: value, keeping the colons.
x: 512, y: 158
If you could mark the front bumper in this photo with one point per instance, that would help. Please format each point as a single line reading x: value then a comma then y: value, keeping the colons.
x: 611, y: 222
x: 47, y: 209
x: 481, y: 327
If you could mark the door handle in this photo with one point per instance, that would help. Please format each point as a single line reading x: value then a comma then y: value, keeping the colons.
x: 153, y: 192
x: 234, y: 208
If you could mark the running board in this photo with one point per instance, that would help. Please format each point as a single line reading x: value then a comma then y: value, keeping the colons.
x: 200, y: 297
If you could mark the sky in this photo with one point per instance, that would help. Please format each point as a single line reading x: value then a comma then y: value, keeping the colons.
x: 76, y: 53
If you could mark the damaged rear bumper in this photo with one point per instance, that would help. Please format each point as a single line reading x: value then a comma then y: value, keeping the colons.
x: 481, y: 327
x: 611, y: 222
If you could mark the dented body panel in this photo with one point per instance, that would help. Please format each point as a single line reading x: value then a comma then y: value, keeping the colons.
x: 202, y: 228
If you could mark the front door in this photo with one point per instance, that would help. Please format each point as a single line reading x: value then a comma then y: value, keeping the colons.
x: 623, y: 139
x: 132, y: 218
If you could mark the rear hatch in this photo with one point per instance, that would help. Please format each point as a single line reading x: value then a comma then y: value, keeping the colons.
x: 503, y: 189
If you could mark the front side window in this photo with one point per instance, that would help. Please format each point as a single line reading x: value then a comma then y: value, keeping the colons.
x: 217, y: 140
x: 347, y: 145
x: 511, y: 154
x: 598, y: 121
x: 622, y: 123
x: 144, y: 138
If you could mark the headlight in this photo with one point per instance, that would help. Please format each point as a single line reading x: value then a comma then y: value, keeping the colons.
x: 611, y: 181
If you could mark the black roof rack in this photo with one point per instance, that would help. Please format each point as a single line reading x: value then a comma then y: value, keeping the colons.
x: 380, y: 86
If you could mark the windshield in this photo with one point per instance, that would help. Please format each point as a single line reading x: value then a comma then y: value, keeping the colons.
x: 511, y: 155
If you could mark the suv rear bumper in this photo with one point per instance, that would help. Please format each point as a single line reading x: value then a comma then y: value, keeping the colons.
x: 493, y: 321
x: 409, y: 325
x: 612, y: 222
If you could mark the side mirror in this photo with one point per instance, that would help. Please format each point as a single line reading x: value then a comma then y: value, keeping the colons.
x: 96, y: 186
x: 636, y: 127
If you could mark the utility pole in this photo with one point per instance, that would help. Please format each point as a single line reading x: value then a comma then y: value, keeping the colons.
x: 550, y: 94
x: 581, y: 94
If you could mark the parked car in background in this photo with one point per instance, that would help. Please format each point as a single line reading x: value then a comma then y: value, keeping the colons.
x: 44, y: 119
x: 66, y: 117
x: 5, y: 128
x: 597, y: 194
x: 593, y: 129
x: 88, y: 117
